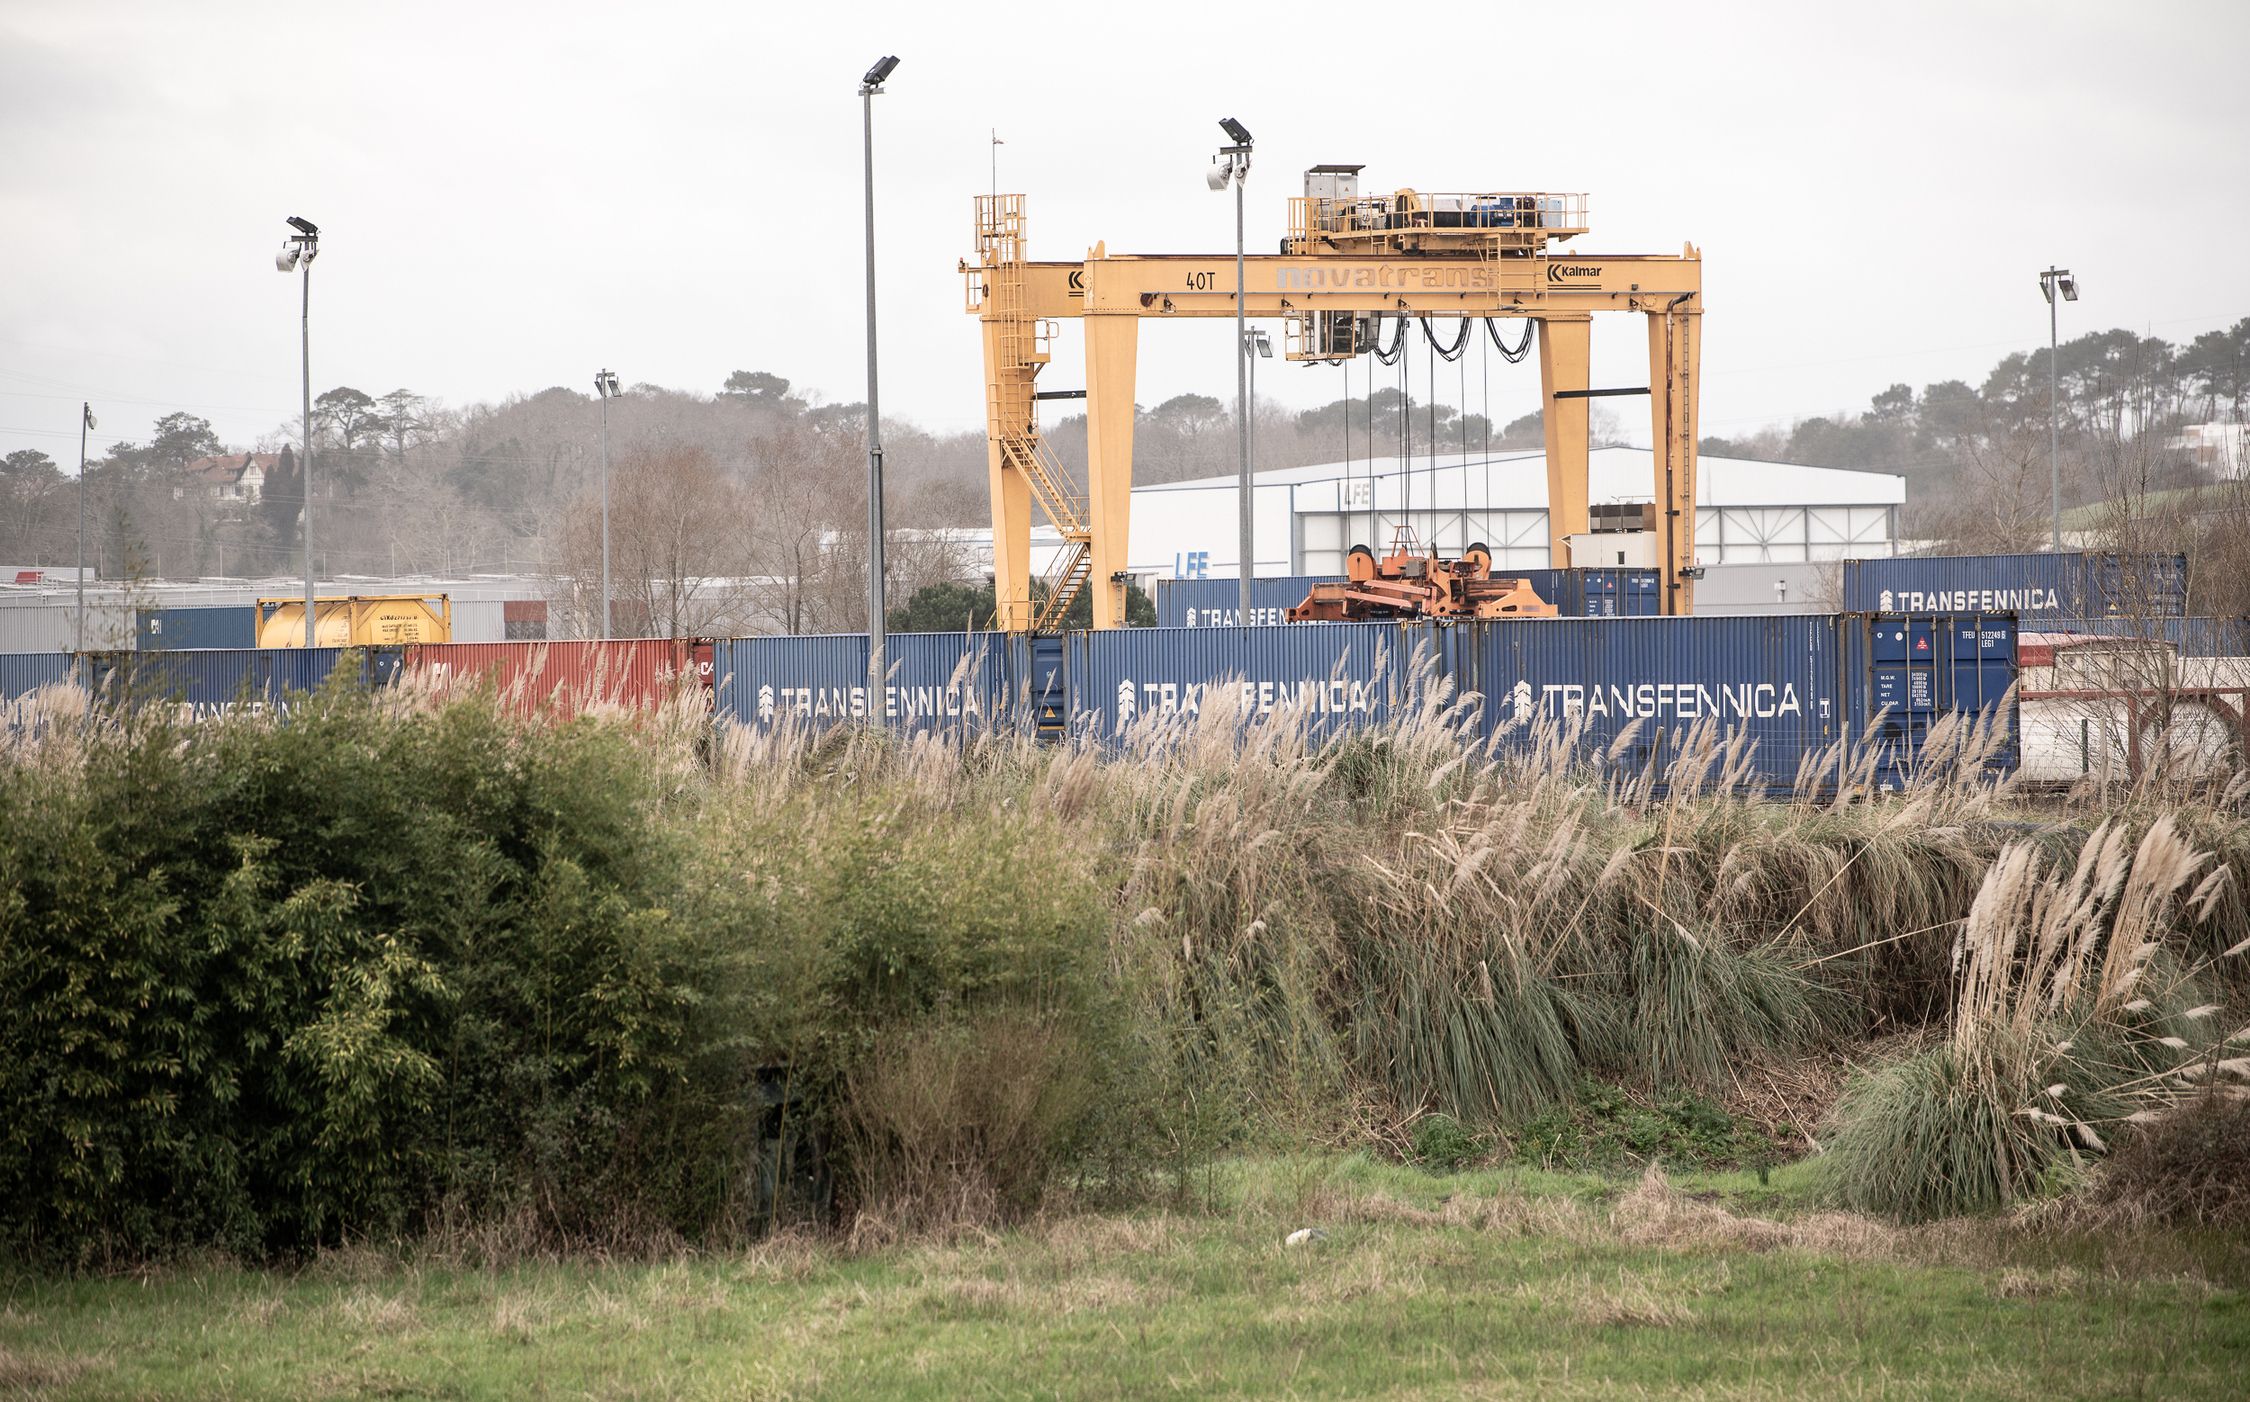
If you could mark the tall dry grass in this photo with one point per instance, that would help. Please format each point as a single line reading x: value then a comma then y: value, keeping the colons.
x: 2082, y: 1008
x: 1327, y: 936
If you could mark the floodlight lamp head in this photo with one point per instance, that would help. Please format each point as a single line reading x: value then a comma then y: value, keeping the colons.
x: 879, y: 72
x: 2069, y: 287
x: 1236, y: 131
x: 1221, y: 171
x: 286, y: 260
x: 304, y: 226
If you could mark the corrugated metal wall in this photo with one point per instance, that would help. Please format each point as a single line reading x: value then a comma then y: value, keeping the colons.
x: 45, y: 627
x: 480, y: 621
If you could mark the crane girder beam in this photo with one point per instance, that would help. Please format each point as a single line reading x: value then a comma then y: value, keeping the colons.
x: 1275, y: 285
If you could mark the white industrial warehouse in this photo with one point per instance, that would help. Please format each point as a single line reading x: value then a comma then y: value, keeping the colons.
x: 1306, y: 518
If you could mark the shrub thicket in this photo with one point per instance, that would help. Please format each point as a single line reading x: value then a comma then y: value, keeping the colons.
x: 267, y: 984
x: 385, y: 965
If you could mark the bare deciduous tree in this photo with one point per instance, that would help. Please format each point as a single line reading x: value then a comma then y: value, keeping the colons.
x: 679, y: 556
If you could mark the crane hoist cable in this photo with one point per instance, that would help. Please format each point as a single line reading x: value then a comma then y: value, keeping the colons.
x: 1460, y: 342
x: 1523, y: 347
x: 1398, y: 342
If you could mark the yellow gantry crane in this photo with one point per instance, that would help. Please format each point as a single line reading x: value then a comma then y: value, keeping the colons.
x: 1348, y: 264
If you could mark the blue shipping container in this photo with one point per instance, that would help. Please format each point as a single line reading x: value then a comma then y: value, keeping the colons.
x: 2033, y: 587
x: 939, y: 682
x: 1601, y: 593
x: 1214, y: 603
x: 215, y: 682
x: 1340, y: 675
x: 1906, y: 675
x: 2192, y: 637
x: 22, y: 673
x: 156, y: 629
x: 1772, y: 679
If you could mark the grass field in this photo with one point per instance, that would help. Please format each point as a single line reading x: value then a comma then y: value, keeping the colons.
x: 1491, y: 1283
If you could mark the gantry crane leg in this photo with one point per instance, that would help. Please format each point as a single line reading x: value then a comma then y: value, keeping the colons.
x: 1112, y: 353
x: 1563, y: 344
x: 1011, y: 497
x: 1675, y: 345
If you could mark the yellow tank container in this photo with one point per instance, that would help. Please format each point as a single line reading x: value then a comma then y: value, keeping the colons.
x: 372, y: 620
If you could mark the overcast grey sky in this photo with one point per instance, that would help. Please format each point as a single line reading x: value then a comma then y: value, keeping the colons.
x: 512, y: 196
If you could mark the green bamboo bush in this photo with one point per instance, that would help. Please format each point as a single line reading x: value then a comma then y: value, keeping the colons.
x: 264, y: 984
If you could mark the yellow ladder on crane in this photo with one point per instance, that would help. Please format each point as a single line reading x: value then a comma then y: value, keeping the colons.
x: 997, y: 284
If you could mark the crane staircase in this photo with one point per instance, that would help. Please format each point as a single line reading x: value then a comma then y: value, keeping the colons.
x: 996, y: 286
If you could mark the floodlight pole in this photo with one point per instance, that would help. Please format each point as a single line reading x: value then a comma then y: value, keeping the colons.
x: 878, y: 672
x: 1237, y: 158
x: 2049, y: 284
x: 304, y: 331
x: 601, y: 387
x: 85, y: 422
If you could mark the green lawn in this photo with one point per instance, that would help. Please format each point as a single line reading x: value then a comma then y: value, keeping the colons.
x: 1495, y: 1283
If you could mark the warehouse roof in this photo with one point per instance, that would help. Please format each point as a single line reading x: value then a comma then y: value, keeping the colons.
x: 1518, y: 480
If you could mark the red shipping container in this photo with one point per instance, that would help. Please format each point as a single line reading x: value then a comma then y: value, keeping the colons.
x: 564, y: 678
